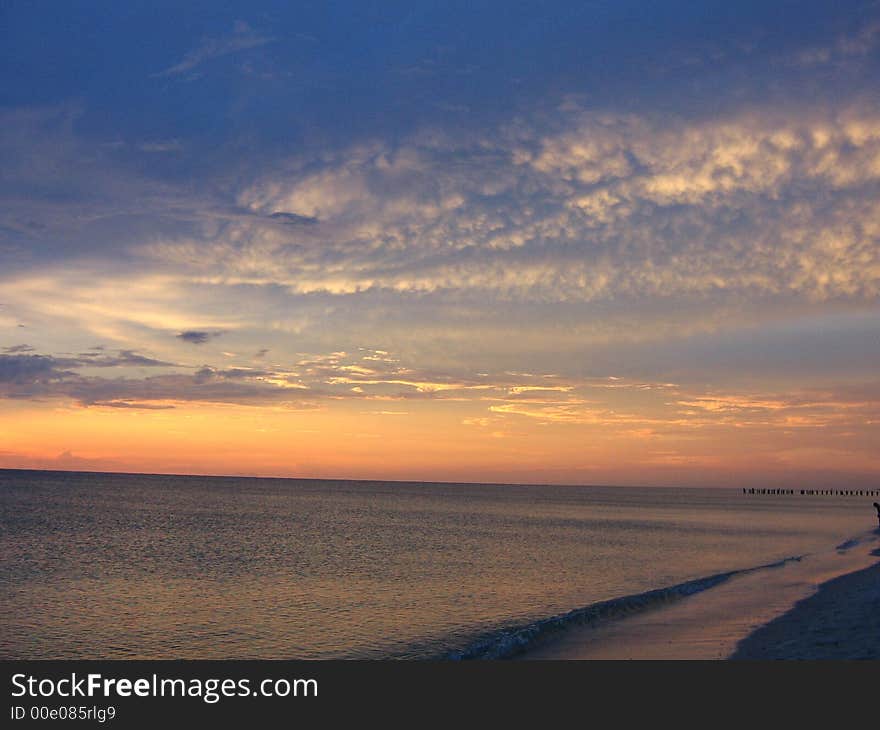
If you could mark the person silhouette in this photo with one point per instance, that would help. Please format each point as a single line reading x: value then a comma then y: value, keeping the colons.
x: 877, y: 507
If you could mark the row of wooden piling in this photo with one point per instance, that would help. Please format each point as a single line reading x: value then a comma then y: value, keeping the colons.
x: 817, y: 492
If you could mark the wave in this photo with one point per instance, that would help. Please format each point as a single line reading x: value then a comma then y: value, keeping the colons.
x: 510, y: 641
x: 847, y: 545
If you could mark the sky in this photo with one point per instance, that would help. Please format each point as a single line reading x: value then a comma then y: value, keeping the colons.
x: 605, y: 242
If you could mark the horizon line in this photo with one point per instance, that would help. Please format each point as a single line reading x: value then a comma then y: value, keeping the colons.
x: 361, y: 479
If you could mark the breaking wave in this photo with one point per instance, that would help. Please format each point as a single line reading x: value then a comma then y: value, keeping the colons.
x: 508, y: 642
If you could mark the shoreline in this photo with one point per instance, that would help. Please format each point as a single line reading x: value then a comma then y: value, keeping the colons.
x: 529, y: 638
x: 824, y: 606
x: 841, y: 620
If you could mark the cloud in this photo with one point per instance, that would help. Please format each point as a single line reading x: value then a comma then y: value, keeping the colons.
x: 606, y: 207
x: 566, y: 230
x: 658, y: 421
x: 28, y: 370
x: 121, y: 359
x: 197, y: 337
x: 160, y: 146
x: 41, y: 377
x: 293, y: 218
x: 366, y: 375
x: 844, y: 48
x: 242, y: 38
x: 16, y: 349
x: 812, y: 408
x: 35, y: 375
x: 125, y: 404
x: 661, y: 225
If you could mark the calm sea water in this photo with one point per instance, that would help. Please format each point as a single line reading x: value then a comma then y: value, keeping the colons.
x: 127, y: 566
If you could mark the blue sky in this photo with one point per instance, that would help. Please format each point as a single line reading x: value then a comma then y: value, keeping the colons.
x: 271, y: 78
x: 441, y: 202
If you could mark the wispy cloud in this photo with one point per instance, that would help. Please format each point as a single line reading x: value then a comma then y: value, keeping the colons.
x: 489, y: 399
x: 161, y: 146
x: 242, y: 38
x: 845, y: 47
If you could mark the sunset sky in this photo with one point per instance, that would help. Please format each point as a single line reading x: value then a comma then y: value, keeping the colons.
x: 603, y: 242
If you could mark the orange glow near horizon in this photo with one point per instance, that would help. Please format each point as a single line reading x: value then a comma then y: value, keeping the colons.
x: 433, y: 441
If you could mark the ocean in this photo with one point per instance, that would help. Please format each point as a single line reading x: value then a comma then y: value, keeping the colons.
x: 116, y: 566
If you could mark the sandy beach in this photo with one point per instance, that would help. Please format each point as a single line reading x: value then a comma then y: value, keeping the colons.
x: 840, y: 621
x: 823, y: 606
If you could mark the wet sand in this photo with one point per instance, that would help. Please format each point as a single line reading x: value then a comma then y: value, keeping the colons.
x: 824, y: 606
x: 840, y: 621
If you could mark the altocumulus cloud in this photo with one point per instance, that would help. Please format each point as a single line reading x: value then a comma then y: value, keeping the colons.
x: 605, y: 207
x: 622, y: 225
